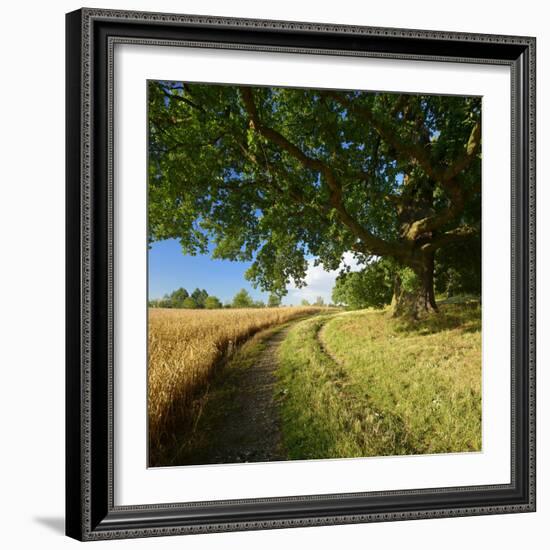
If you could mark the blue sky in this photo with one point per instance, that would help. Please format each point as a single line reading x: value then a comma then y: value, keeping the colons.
x: 170, y: 269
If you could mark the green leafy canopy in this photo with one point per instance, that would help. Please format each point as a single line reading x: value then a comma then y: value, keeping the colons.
x: 277, y: 175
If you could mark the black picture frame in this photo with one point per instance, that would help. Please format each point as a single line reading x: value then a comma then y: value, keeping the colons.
x: 90, y: 510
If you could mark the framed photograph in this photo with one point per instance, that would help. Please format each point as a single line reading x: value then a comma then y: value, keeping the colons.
x: 300, y: 274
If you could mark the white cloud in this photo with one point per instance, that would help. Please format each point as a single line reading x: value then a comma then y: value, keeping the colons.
x: 319, y: 282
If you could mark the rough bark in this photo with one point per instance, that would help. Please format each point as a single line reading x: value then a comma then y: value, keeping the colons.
x: 416, y: 298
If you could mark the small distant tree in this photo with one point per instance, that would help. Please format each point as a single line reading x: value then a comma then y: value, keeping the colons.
x: 319, y: 302
x: 212, y: 302
x: 199, y: 296
x: 189, y: 303
x: 304, y: 302
x: 259, y: 303
x: 242, y: 299
x: 165, y: 302
x: 273, y: 300
x: 177, y: 297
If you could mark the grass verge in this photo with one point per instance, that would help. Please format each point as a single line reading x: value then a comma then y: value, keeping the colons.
x: 365, y: 384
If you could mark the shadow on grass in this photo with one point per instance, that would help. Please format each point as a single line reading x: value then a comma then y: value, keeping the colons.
x: 464, y: 316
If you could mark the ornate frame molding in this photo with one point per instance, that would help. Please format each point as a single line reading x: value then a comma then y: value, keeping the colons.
x: 91, y: 35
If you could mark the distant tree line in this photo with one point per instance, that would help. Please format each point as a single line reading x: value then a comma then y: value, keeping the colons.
x: 180, y: 298
x: 319, y: 302
x: 200, y: 299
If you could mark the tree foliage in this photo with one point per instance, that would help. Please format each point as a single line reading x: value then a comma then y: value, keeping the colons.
x: 242, y: 299
x: 273, y: 300
x: 275, y: 175
x: 457, y: 272
x: 180, y: 298
x: 173, y: 300
x: 211, y: 302
x: 199, y: 296
x: 189, y: 303
x: 458, y: 269
x: 371, y: 287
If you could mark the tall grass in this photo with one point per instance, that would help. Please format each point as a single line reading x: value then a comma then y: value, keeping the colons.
x: 365, y: 384
x: 184, y: 348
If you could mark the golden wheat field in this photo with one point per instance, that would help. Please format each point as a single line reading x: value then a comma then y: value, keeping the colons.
x: 184, y: 346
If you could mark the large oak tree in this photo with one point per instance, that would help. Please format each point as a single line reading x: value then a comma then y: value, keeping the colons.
x: 277, y: 175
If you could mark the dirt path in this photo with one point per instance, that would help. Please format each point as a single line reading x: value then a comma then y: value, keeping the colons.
x: 253, y: 434
x: 248, y: 430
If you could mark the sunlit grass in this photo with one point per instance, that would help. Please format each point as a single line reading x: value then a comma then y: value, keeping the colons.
x: 365, y: 384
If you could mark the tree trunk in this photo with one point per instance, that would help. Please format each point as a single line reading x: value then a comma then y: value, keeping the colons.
x: 414, y: 295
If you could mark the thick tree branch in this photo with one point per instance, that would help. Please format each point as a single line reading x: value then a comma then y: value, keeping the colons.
x: 418, y: 228
x: 184, y: 100
x: 410, y: 150
x: 470, y: 153
x: 369, y: 242
x: 295, y: 194
x: 276, y: 137
x: 455, y: 235
x: 406, y: 150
